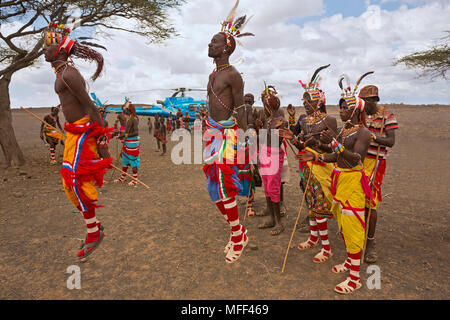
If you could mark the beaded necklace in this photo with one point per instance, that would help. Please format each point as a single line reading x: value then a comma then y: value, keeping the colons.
x: 371, y: 118
x: 317, y: 118
x: 211, y: 78
x: 346, y: 133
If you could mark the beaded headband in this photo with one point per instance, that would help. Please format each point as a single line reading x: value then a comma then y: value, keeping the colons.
x: 312, y: 87
x: 350, y: 96
x: 58, y: 34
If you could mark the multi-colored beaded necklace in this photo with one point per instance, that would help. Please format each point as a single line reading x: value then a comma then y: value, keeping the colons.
x: 371, y: 118
x: 347, y: 132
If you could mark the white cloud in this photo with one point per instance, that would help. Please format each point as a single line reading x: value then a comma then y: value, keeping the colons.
x: 281, y: 53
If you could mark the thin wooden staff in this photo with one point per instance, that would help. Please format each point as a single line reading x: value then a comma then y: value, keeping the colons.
x: 130, y: 176
x: 371, y: 189
x: 61, y: 132
x: 37, y: 117
x: 298, y: 216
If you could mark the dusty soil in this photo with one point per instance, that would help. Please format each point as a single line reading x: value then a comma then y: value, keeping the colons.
x: 167, y: 242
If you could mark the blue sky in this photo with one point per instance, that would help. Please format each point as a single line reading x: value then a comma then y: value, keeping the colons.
x: 352, y: 8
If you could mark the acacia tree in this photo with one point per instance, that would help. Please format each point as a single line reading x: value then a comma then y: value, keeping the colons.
x: 434, y: 62
x: 22, y: 47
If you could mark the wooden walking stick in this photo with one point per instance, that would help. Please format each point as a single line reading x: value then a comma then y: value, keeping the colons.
x: 296, y: 221
x: 371, y: 188
x: 298, y: 215
x: 130, y: 176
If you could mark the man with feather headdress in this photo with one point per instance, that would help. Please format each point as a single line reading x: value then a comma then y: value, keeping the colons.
x: 226, y: 114
x: 85, y: 155
x: 317, y: 175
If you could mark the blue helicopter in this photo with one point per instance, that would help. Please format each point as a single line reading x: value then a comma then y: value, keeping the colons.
x: 170, y: 105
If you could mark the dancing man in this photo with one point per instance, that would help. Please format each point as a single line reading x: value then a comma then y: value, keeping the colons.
x: 130, y: 150
x: 85, y: 154
x: 225, y: 98
x: 121, y: 120
x: 382, y: 125
x: 52, y: 137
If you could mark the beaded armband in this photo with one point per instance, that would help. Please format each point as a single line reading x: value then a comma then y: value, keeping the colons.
x: 337, y: 147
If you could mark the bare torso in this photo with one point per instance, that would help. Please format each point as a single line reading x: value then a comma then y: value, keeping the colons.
x: 132, y: 127
x: 72, y: 109
x: 350, y: 142
x: 222, y: 86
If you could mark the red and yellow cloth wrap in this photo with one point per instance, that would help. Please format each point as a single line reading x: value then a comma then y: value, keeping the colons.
x: 375, y: 178
x: 82, y: 167
x: 318, y: 193
x: 51, y: 132
x: 220, y: 157
x: 350, y: 188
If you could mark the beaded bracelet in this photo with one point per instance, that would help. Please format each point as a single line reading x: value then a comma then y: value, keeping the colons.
x: 293, y: 139
x: 337, y: 147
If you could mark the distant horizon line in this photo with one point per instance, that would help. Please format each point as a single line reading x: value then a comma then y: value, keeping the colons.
x: 296, y: 106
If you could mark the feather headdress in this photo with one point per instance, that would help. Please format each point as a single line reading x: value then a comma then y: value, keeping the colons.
x: 233, y: 28
x: 350, y: 96
x: 58, y: 34
x: 312, y: 86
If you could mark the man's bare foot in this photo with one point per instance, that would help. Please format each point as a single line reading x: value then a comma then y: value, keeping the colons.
x: 262, y: 214
x: 371, y: 255
x: 277, y: 230
x: 283, y: 209
x: 267, y: 224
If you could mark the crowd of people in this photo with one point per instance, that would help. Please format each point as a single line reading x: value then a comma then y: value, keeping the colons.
x: 341, y: 167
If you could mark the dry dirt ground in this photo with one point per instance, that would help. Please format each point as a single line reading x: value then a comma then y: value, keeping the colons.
x: 167, y: 242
